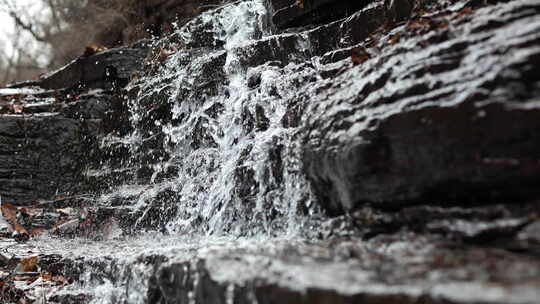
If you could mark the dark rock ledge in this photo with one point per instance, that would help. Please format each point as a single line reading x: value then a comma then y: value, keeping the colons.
x: 43, y: 148
x: 47, y: 143
x: 426, y: 154
x: 290, y: 13
x: 99, y: 70
x: 450, y: 116
x: 399, y: 268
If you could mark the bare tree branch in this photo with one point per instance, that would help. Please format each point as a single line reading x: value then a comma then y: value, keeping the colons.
x: 26, y: 27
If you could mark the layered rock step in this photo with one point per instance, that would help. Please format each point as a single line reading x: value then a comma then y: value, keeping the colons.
x: 436, y: 118
x: 45, y: 142
x: 50, y: 126
x: 399, y: 268
x: 419, y: 139
x: 294, y: 13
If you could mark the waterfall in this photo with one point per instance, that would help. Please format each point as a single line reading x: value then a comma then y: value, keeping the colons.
x: 207, y: 149
x: 426, y: 164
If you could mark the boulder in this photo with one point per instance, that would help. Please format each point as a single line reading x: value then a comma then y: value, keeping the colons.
x: 433, y: 119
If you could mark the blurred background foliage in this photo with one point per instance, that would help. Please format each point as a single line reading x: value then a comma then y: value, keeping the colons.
x: 41, y: 35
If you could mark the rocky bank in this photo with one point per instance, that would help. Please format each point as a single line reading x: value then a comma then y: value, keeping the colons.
x: 278, y: 151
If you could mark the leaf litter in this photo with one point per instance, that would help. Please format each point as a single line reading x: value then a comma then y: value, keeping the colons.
x: 26, y: 275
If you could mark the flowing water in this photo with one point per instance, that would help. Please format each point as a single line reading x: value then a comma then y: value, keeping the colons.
x: 205, y: 142
x: 209, y: 167
x: 207, y: 163
x: 205, y: 159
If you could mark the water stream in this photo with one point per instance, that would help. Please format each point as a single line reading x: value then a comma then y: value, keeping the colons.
x: 207, y: 168
x: 216, y: 149
x: 206, y: 163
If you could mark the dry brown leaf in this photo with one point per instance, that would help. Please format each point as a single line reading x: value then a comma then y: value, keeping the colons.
x: 463, y: 12
x: 31, y: 211
x: 418, y: 23
x: 422, y: 11
x: 93, y: 49
x: 359, y: 55
x: 394, y: 38
x: 47, y: 276
x: 9, y: 212
x: 442, y: 25
x: 29, y: 264
x: 36, y: 232
x: 371, y: 42
x: 18, y: 108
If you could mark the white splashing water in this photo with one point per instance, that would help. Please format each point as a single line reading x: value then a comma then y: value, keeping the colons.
x: 237, y: 169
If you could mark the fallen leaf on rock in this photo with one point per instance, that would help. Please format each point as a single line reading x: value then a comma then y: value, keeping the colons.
x: 359, y: 55
x: 423, y: 25
x: 35, y: 232
x: 93, y: 49
x: 371, y: 42
x: 9, y: 212
x: 18, y: 108
x: 422, y: 11
x: 29, y: 264
x: 442, y: 25
x: 418, y: 24
x: 31, y: 211
x: 394, y: 38
x: 463, y: 12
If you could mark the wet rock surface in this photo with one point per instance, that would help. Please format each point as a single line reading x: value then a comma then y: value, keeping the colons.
x: 45, y: 137
x: 291, y: 13
x: 401, y: 268
x: 412, y: 128
x: 102, y: 69
x: 342, y: 155
x: 50, y: 128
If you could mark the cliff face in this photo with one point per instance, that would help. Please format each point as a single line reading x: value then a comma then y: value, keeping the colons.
x: 383, y: 152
